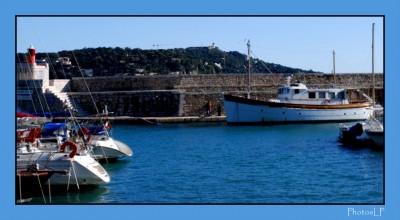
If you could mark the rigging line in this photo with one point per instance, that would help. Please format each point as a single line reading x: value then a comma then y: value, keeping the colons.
x: 292, y: 50
x: 51, y: 64
x: 42, y: 46
x: 84, y: 80
x: 73, y: 169
x: 34, y: 82
x: 69, y: 178
x: 36, y: 86
x: 379, y: 34
x: 26, y: 81
x: 27, y: 85
x: 40, y: 185
x: 275, y: 77
x: 345, y: 65
x: 69, y: 88
x: 30, y: 71
x: 325, y: 60
x: 68, y: 85
x: 48, y: 183
x: 91, y: 96
x: 78, y: 125
x: 20, y: 187
x: 262, y: 62
x: 104, y: 154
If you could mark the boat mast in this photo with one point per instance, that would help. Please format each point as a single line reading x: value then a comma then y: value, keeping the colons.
x: 248, y: 78
x: 373, y: 75
x: 334, y: 70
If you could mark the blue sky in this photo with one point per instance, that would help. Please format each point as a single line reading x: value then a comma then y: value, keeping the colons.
x: 299, y: 42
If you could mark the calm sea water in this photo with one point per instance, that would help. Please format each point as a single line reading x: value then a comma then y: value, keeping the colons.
x: 215, y: 163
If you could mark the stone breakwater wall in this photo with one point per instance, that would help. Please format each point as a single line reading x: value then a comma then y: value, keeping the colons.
x: 156, y: 103
x: 186, y: 95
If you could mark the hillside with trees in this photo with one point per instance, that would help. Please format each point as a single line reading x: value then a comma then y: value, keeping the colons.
x: 107, y: 61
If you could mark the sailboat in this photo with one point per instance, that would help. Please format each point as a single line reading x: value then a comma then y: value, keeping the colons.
x: 74, y: 157
x: 296, y: 103
x: 82, y: 168
x: 371, y: 129
x: 375, y: 132
x: 102, y: 145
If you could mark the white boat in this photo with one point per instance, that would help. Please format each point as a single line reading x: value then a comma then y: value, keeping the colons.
x: 354, y: 135
x: 370, y: 130
x: 364, y: 134
x: 101, y: 145
x: 82, y: 168
x: 25, y: 119
x: 375, y: 131
x: 47, y: 153
x: 105, y: 147
x: 28, y: 121
x: 376, y: 136
x: 297, y: 103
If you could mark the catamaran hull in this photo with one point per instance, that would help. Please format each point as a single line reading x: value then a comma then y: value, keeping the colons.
x: 244, y: 111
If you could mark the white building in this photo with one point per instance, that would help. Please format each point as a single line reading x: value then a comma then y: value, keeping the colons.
x: 33, y: 81
x: 39, y: 72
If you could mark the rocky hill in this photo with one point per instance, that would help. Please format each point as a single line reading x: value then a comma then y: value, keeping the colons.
x: 107, y: 61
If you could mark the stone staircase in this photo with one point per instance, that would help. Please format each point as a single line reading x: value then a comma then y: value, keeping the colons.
x: 65, y: 98
x: 80, y: 110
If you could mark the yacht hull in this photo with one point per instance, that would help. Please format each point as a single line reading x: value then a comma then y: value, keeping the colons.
x: 82, y: 169
x: 109, y: 148
x: 376, y: 136
x: 241, y: 110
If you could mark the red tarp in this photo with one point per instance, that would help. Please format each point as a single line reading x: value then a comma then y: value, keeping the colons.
x: 22, y: 114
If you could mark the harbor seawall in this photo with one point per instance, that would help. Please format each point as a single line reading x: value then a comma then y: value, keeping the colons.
x: 186, y: 95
